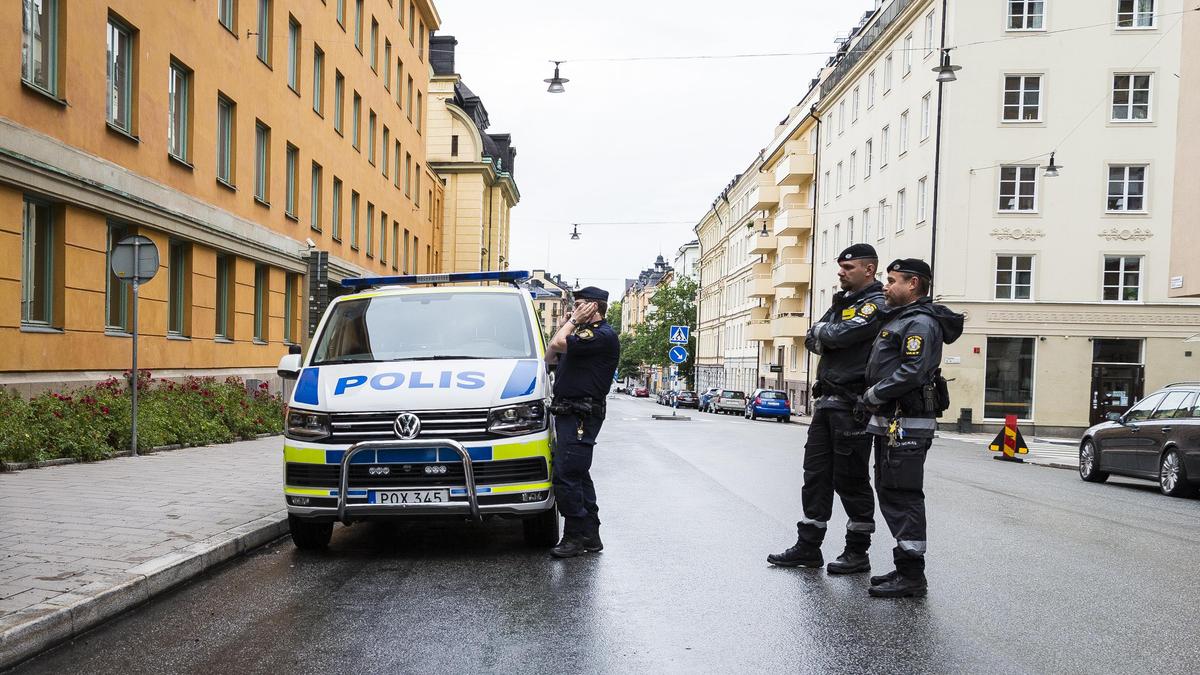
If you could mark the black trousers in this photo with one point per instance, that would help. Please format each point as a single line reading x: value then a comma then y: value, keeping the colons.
x: 573, y: 487
x: 837, y: 460
x: 900, y: 482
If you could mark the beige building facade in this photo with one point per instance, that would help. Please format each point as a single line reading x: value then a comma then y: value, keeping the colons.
x: 476, y: 167
x: 1184, y: 280
x: 552, y: 299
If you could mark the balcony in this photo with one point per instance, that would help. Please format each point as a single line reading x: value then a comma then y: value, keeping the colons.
x: 765, y: 194
x: 759, y: 331
x: 763, y: 245
x: 789, y: 326
x: 761, y: 284
x: 794, y: 218
x: 797, y: 167
x: 792, y: 269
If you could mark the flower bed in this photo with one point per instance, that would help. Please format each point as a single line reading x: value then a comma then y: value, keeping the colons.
x: 92, y: 422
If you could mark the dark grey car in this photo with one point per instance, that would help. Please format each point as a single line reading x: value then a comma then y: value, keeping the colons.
x: 1157, y: 439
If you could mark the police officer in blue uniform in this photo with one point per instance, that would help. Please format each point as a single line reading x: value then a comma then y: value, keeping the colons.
x: 905, y: 396
x: 837, y: 454
x: 586, y: 350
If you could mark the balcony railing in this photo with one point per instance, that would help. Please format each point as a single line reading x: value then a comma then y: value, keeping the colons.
x: 863, y: 46
x: 764, y: 195
x: 793, y: 221
x: 759, y: 331
x: 789, y: 326
x: 760, y: 244
x: 795, y: 169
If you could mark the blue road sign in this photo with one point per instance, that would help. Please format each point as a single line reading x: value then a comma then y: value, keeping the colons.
x: 679, y: 335
x: 677, y: 354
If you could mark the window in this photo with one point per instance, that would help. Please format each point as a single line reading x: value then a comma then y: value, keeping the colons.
x: 1141, y: 411
x: 1175, y: 404
x: 1116, y: 350
x: 39, y: 44
x: 825, y: 188
x: 887, y: 73
x: 336, y: 201
x: 179, y: 103
x: 291, y: 300
x: 383, y: 224
x: 929, y: 33
x: 1131, y: 97
x: 387, y: 64
x: 370, y: 230
x: 868, y: 158
x: 925, y: 116
x: 1135, y: 14
x: 116, y: 292
x: 1014, y: 277
x: 903, y: 132
x: 1008, y: 377
x: 225, y: 290
x: 854, y: 100
x: 409, y: 99
x: 901, y: 209
x: 226, y: 133
x: 396, y: 248
x: 358, y: 24
x: 225, y: 14
x: 374, y: 45
x: 262, y: 301
x: 179, y: 291
x: 407, y: 174
x: 1126, y: 188
x: 871, y: 90
x: 354, y: 220
x: 318, y: 81
x: 339, y: 100
x: 412, y: 21
x: 907, y: 56
x: 341, y: 13
x: 1123, y: 278
x: 839, y: 179
x: 1023, y: 98
x: 396, y: 167
x: 38, y: 245
x: 356, y: 122
x: 120, y: 76
x: 293, y: 167
x: 1018, y: 189
x: 383, y: 155
x: 824, y: 246
x: 853, y: 167
x: 850, y: 230
x: 837, y: 235
x: 883, y: 218
x: 1026, y: 15
x: 417, y: 192
x: 866, y: 223
x: 293, y: 55
x: 371, y: 137
x: 264, y: 31
x: 314, y: 218
x: 399, y: 80
x: 922, y: 192
x: 420, y: 107
x: 884, y: 141
x: 841, y: 117
x: 262, y: 162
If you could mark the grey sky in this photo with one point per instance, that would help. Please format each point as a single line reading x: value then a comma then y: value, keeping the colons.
x: 632, y: 141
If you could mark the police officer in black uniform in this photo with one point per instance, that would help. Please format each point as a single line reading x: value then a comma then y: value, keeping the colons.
x: 837, y: 454
x: 586, y: 350
x: 905, y: 396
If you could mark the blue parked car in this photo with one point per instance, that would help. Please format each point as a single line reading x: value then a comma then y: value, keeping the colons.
x: 769, y: 403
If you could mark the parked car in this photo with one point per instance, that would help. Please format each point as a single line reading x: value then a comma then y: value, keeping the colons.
x: 641, y: 392
x: 706, y: 399
x: 687, y: 399
x: 769, y: 403
x: 1157, y: 439
x: 729, y: 401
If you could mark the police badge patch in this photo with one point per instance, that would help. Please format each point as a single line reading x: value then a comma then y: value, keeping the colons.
x: 848, y: 314
x: 868, y: 309
x: 585, y: 334
x: 913, y: 345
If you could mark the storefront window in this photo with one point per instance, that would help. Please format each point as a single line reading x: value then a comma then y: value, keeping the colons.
x: 1009, y: 378
x: 1109, y: 350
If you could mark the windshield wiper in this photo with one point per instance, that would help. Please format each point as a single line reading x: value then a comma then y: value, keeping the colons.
x: 339, y: 362
x: 444, y: 357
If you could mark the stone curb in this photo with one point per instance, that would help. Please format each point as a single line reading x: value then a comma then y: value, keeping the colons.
x: 38, y: 628
x: 11, y: 467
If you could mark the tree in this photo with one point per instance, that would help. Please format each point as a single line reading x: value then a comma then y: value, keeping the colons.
x: 614, y: 316
x: 674, y: 305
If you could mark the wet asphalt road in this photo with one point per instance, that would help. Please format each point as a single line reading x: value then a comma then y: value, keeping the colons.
x: 1031, y: 570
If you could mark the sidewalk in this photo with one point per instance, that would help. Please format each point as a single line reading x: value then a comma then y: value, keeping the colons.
x: 81, y: 543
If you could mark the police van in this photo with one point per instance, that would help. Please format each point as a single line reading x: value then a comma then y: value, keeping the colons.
x: 420, y: 396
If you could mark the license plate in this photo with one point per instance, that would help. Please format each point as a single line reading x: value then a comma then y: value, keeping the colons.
x: 413, y: 497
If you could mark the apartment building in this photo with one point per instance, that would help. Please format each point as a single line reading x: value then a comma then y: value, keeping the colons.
x: 476, y: 166
x: 687, y: 261
x: 257, y: 143
x: 1063, y: 272
x: 552, y: 299
x: 1184, y: 280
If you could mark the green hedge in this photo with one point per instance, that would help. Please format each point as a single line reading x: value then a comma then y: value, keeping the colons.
x: 93, y: 422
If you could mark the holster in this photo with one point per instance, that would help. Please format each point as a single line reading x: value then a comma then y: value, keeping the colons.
x: 580, y: 407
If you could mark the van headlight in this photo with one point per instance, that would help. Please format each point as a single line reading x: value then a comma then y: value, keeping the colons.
x: 307, y: 425
x: 514, y: 420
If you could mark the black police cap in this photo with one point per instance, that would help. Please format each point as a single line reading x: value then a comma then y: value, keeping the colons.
x: 911, y: 266
x: 858, y: 252
x: 592, y: 293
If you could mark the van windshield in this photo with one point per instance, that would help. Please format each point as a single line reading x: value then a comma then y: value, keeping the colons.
x: 426, y: 326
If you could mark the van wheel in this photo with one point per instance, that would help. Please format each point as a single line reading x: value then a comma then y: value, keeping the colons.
x: 1089, y: 463
x: 309, y: 536
x: 542, y: 530
x: 1172, y: 478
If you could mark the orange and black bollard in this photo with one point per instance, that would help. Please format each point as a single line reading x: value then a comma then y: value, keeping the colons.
x: 1009, y: 442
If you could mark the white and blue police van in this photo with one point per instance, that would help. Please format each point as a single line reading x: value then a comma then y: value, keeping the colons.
x: 421, y: 396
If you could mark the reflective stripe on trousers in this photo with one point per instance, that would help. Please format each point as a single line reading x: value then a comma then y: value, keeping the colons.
x: 914, y: 547
x: 815, y: 523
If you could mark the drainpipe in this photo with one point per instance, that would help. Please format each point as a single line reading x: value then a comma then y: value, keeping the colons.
x: 812, y: 268
x: 937, y: 162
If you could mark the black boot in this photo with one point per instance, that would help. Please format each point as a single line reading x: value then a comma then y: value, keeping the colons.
x: 800, y: 555
x: 882, y: 578
x: 901, y: 586
x: 850, y: 562
x: 592, y: 542
x: 571, y: 545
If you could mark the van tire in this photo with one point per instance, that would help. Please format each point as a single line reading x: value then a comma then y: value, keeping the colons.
x: 309, y: 536
x: 541, y: 530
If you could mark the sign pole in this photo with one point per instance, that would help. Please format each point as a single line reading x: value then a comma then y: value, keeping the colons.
x: 133, y: 435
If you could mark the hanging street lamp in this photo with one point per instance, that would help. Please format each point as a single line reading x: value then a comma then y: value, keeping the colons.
x: 945, y: 71
x: 1051, y: 169
x: 574, y: 231
x: 556, y: 84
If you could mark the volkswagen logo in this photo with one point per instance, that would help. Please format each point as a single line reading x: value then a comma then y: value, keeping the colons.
x: 407, y: 426
x: 379, y: 470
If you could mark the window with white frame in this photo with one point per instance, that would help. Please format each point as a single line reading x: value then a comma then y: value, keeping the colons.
x: 1014, y: 277
x: 179, y: 91
x: 841, y: 117
x: 39, y: 44
x: 839, y: 179
x: 1126, y: 187
x: 854, y: 100
x: 867, y: 158
x: 1026, y: 15
x: 907, y: 56
x: 850, y: 230
x: 922, y: 198
x: 824, y: 246
x: 887, y: 73
x: 1122, y: 278
x: 866, y: 224
x: 853, y: 167
x: 262, y: 161
x: 226, y: 132
x: 883, y: 216
x: 825, y: 187
x: 871, y: 89
x: 120, y: 76
x: 884, y: 139
x: 1135, y: 13
x: 293, y: 64
x: 929, y: 33
x: 1022, y: 98
x: 837, y: 236
x: 1018, y: 189
x: 926, y: 114
x: 901, y: 209
x: 903, y: 132
x: 1131, y: 97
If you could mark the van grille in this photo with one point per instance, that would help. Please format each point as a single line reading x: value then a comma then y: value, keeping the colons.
x: 497, y: 472
x: 469, y: 424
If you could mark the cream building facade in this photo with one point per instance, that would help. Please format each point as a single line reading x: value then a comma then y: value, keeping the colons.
x: 1064, y: 280
x: 552, y: 300
x: 476, y: 167
x: 1184, y: 278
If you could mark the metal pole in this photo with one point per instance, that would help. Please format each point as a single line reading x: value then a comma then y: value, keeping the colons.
x: 133, y: 435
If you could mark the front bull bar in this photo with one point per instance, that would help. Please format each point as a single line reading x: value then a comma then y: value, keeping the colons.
x: 432, y: 443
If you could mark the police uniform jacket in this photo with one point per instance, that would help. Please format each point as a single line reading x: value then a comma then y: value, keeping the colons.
x: 586, y: 369
x: 903, y: 358
x: 843, y: 338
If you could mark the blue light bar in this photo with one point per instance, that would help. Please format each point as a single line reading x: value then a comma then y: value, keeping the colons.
x: 508, y: 276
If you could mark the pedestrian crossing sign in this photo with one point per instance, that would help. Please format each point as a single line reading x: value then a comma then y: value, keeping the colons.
x: 679, y: 335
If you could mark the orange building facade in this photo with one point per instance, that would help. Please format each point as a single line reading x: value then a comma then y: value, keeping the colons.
x: 242, y: 137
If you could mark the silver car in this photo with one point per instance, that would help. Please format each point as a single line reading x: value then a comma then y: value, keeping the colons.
x: 729, y: 401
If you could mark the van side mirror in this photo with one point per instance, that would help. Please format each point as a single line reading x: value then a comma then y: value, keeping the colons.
x: 1113, y: 417
x: 289, y: 367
